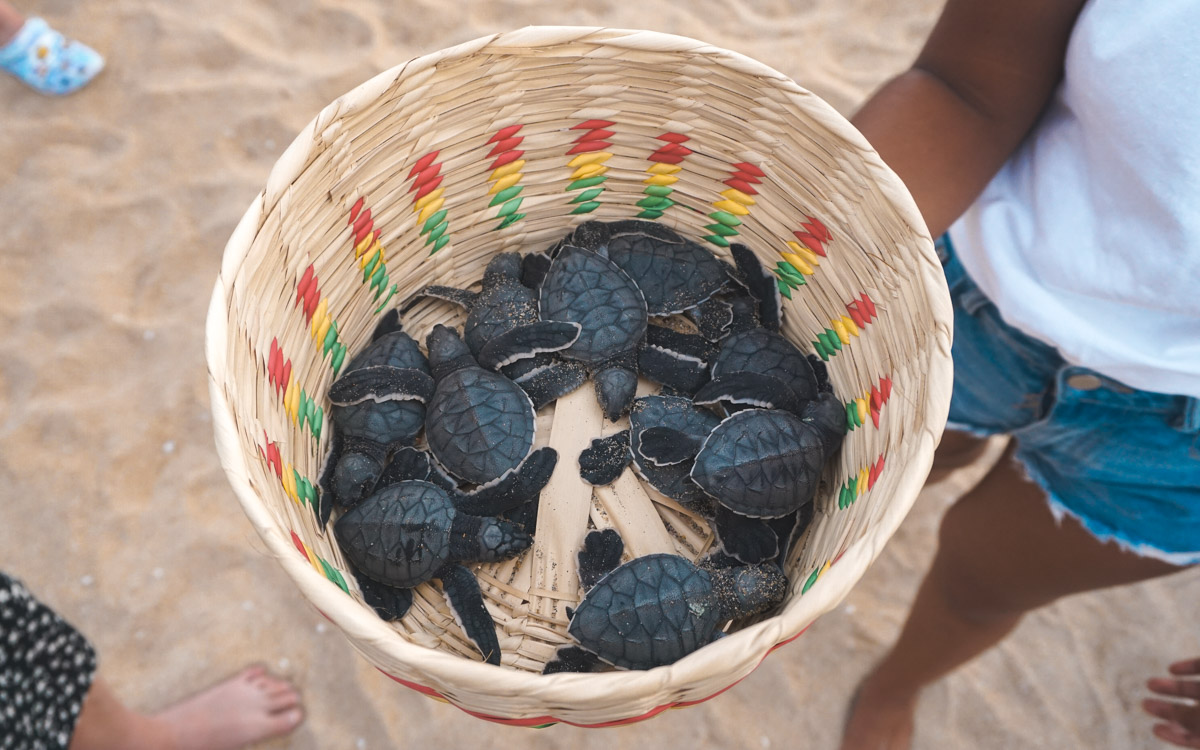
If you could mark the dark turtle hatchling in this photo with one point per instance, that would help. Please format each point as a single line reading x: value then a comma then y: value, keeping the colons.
x: 756, y: 365
x: 604, y: 460
x: 759, y: 367
x: 378, y: 406
x: 586, y: 288
x: 654, y: 610
x: 504, y: 332
x: 758, y: 464
x: 750, y: 540
x: 674, y: 273
x: 761, y: 463
x: 412, y: 531
x: 479, y: 424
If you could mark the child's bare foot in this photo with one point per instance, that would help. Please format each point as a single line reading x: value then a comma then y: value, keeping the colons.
x: 878, y: 722
x: 249, y: 707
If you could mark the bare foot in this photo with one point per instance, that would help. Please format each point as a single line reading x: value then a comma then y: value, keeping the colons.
x: 249, y: 707
x: 877, y: 722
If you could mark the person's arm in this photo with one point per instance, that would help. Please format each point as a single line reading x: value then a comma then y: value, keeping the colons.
x: 949, y: 123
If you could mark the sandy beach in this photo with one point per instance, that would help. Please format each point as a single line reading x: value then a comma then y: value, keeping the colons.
x: 115, y: 205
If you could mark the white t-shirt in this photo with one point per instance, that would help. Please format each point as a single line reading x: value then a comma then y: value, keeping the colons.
x: 1089, y: 237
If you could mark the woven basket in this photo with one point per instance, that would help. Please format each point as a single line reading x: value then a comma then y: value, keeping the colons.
x: 422, y: 173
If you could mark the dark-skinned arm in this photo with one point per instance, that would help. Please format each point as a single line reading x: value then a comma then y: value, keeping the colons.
x: 948, y: 124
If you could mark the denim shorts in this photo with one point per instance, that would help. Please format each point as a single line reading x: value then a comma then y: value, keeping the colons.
x: 1124, y: 462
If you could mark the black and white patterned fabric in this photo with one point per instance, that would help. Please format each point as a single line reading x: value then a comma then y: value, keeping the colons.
x: 46, y: 669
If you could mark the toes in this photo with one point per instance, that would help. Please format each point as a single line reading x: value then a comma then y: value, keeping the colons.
x: 282, y: 699
x: 286, y: 721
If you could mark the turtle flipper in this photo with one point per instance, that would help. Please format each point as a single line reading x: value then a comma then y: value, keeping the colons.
x: 524, y: 515
x: 513, y: 488
x: 461, y: 590
x: 325, y: 495
x: 749, y: 540
x: 527, y: 341
x: 551, y: 382
x: 381, y: 383
x: 481, y: 539
x: 438, y: 476
x: 603, y: 461
x: 677, y: 371
x: 405, y: 464
x: 601, y: 554
x: 687, y: 344
x: 534, y: 268
x: 821, y: 371
x: 663, y: 446
x: 460, y: 297
x: 572, y: 659
x: 750, y: 388
x: 791, y: 527
x: 616, y: 386
x: 676, y: 360
x: 389, y: 323
x: 389, y: 602
x: 745, y: 314
x: 828, y: 416
x: 761, y: 284
x: 713, y: 317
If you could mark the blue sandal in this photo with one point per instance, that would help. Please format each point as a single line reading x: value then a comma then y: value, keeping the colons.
x: 47, y: 61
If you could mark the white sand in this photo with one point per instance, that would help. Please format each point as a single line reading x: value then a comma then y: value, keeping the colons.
x: 115, y: 205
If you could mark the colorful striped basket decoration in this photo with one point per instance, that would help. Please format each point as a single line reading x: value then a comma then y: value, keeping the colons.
x: 422, y: 173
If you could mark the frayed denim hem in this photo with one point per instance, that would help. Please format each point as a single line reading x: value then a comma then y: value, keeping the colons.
x: 1103, y: 532
x: 973, y: 430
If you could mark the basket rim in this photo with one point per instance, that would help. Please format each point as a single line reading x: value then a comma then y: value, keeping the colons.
x: 638, y: 689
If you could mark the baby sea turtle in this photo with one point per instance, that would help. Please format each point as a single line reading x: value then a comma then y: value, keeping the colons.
x: 759, y: 367
x: 479, y: 424
x: 378, y: 405
x: 674, y: 273
x: 761, y: 463
x: 412, y: 531
x: 504, y: 332
x: 584, y: 287
x: 761, y: 285
x: 513, y: 499
x: 654, y: 610
x: 750, y: 540
x: 604, y: 460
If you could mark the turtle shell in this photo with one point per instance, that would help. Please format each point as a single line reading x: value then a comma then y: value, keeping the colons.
x: 648, y: 612
x: 395, y: 349
x: 390, y: 423
x: 479, y: 424
x: 583, y: 287
x: 400, y: 535
x: 676, y: 413
x: 500, y: 307
x: 673, y: 273
x: 767, y: 353
x: 762, y: 463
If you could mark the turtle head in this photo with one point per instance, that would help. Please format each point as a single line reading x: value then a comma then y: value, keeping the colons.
x: 615, y: 389
x: 353, y: 478
x: 749, y: 589
x: 447, y: 352
x: 503, y: 266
